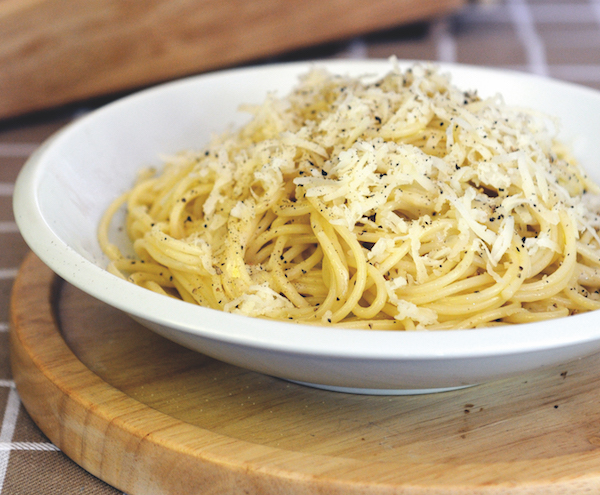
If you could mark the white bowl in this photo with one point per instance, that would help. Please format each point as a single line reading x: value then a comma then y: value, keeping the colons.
x: 67, y: 184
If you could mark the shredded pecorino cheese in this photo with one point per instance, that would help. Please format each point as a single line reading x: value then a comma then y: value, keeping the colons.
x: 403, y: 203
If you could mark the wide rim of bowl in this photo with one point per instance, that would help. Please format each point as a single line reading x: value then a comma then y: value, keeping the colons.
x: 275, y: 335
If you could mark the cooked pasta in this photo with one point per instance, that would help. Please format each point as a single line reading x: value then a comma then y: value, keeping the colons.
x: 403, y: 203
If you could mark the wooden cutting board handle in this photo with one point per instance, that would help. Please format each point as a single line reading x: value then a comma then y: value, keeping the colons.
x: 55, y: 52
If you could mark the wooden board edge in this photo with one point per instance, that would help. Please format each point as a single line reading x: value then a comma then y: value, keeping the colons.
x: 74, y: 408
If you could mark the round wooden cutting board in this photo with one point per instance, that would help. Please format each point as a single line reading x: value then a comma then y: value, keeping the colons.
x: 150, y: 417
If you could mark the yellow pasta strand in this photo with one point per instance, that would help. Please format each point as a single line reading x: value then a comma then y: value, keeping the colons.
x: 400, y: 204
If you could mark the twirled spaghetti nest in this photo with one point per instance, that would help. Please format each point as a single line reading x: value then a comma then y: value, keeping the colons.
x: 403, y: 203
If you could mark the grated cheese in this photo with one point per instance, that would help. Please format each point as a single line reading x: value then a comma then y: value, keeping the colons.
x: 422, y: 174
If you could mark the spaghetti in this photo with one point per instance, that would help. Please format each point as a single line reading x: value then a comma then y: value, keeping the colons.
x: 399, y: 204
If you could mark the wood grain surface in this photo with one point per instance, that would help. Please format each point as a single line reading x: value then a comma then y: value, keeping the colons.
x: 59, y: 51
x: 150, y: 417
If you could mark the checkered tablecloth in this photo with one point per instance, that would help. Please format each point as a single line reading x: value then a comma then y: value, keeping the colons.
x: 557, y: 38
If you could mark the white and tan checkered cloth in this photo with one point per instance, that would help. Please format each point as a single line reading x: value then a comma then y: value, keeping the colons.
x: 558, y: 38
